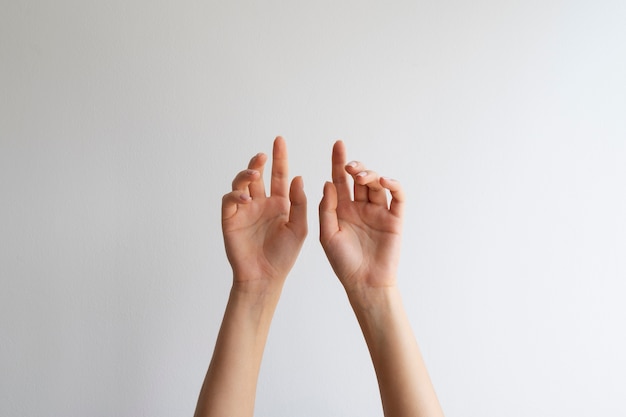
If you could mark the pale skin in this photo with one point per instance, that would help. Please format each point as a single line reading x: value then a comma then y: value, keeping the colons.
x: 360, y: 231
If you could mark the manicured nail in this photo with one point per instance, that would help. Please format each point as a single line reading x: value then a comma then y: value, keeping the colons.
x: 352, y: 164
x: 361, y: 174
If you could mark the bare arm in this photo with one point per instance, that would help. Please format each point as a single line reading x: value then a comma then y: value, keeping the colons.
x: 405, y: 387
x: 263, y: 236
x: 361, y: 236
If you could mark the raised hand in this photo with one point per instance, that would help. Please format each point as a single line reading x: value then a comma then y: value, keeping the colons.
x: 264, y: 234
x: 362, y: 235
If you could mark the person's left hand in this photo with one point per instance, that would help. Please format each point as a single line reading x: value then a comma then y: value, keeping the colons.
x: 264, y: 234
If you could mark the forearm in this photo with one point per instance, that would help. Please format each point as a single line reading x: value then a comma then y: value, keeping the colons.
x: 405, y: 386
x: 229, y: 387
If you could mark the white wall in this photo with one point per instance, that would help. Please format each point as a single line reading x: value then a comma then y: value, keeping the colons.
x: 122, y: 124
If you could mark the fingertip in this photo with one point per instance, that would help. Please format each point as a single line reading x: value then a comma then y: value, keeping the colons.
x: 231, y: 201
x: 329, y: 197
x: 339, y: 148
x: 296, y: 191
x: 280, y: 145
x: 397, y: 195
x: 328, y: 187
x: 257, y: 161
x: 368, y: 178
x: 390, y: 184
x: 298, y: 181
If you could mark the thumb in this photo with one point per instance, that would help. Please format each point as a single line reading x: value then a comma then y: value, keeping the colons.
x: 297, y: 213
x: 329, y: 224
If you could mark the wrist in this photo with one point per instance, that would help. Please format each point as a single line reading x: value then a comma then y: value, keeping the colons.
x: 253, y: 306
x: 257, y: 290
x: 380, y: 313
x: 367, y: 298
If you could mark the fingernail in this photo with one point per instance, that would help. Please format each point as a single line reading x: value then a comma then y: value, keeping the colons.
x: 352, y: 164
x: 361, y: 174
x: 387, y: 179
x: 244, y: 197
x: 251, y: 171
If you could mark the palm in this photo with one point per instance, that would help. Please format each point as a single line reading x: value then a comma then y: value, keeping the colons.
x: 361, y: 235
x: 263, y: 234
x: 366, y: 246
x: 258, y: 241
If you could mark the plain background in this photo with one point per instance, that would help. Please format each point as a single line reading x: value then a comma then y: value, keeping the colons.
x: 122, y: 124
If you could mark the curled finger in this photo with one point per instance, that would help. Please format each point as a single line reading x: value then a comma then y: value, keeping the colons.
x: 396, y: 207
x: 231, y: 202
x: 360, y: 191
x: 257, y: 163
x: 244, y: 178
x: 370, y: 181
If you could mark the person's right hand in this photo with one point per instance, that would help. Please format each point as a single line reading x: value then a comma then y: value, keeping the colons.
x: 361, y: 236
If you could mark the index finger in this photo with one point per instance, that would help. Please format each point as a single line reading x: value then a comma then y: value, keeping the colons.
x: 340, y: 178
x: 280, y: 168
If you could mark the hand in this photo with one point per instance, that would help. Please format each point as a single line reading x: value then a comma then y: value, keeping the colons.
x: 361, y: 237
x: 263, y: 235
